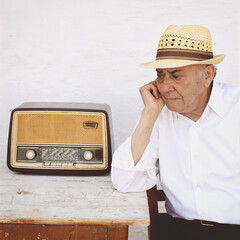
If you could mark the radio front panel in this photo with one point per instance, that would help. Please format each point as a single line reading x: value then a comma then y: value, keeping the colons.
x: 59, y: 140
x: 53, y: 156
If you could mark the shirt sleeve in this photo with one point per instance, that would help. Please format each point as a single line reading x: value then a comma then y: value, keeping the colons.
x: 129, y: 178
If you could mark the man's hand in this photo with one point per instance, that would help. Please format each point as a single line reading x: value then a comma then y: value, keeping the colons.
x: 152, y: 98
x: 153, y: 106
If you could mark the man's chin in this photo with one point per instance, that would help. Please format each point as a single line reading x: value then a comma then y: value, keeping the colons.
x: 173, y: 108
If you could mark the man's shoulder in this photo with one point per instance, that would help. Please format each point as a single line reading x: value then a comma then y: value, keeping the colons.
x: 227, y: 101
x: 229, y: 93
x: 227, y: 90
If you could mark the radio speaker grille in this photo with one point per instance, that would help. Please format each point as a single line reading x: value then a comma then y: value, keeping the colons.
x: 56, y: 128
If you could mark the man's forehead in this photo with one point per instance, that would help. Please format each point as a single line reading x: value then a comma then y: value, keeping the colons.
x: 179, y: 69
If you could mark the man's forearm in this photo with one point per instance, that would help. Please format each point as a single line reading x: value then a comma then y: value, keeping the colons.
x: 142, y: 133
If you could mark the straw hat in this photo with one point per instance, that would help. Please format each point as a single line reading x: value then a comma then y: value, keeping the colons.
x: 184, y: 45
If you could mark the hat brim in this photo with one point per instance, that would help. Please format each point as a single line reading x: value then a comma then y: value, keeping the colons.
x: 175, y: 63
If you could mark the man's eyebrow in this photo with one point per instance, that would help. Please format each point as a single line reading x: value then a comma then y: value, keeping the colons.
x: 171, y: 72
x: 175, y: 71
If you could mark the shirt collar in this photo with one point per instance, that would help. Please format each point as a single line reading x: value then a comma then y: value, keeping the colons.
x: 216, y: 101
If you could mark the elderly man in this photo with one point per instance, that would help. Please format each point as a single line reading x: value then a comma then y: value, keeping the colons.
x: 192, y: 125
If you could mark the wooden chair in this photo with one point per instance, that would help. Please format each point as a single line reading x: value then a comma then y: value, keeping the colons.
x: 157, y: 220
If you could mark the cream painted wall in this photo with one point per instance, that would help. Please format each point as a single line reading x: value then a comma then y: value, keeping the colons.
x: 90, y: 51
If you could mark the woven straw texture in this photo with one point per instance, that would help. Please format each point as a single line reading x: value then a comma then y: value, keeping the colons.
x: 184, y: 45
x: 191, y: 37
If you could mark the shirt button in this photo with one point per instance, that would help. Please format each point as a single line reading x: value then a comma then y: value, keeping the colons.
x: 203, y: 213
x: 195, y: 155
x: 198, y: 185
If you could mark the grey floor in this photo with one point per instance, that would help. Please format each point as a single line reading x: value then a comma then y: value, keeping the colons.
x: 137, y: 233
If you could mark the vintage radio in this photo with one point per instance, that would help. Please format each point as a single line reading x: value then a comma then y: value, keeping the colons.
x: 60, y: 138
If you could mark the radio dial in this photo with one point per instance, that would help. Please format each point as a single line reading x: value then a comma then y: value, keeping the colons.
x: 88, y: 155
x: 30, y: 154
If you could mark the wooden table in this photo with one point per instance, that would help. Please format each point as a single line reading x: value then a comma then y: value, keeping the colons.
x: 65, y: 207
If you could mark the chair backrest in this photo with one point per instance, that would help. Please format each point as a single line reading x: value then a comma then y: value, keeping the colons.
x: 155, y: 195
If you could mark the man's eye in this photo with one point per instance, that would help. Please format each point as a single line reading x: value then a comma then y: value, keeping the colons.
x: 175, y: 77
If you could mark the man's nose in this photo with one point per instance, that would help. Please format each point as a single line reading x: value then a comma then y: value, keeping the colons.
x: 167, y: 84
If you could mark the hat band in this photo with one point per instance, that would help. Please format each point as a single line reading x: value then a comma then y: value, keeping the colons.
x: 170, y: 53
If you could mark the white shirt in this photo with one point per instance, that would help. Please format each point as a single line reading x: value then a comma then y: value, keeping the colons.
x: 199, y: 161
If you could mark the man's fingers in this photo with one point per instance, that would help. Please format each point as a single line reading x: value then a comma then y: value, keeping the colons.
x: 155, y: 90
x: 151, y: 97
x: 152, y: 87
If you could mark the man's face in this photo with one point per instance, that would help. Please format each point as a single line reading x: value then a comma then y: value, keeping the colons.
x: 184, y: 90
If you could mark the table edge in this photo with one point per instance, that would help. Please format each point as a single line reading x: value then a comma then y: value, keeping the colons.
x: 76, y: 221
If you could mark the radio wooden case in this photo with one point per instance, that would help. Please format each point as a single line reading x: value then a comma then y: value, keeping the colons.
x: 60, y: 138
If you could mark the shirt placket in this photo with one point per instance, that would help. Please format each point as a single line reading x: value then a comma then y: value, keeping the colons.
x: 197, y: 179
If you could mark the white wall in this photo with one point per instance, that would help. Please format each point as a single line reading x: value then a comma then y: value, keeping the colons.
x: 90, y: 51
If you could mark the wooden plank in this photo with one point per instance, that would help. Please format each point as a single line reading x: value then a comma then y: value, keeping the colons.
x: 30, y: 232
x: 68, y: 200
x: 62, y: 232
x: 117, y: 232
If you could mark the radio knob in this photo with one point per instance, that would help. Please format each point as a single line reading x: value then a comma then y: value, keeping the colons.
x: 30, y: 154
x: 88, y: 155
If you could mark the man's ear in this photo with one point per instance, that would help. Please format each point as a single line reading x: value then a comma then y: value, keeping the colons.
x: 209, y: 75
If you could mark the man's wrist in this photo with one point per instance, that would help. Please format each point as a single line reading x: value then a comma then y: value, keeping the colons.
x: 150, y: 114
